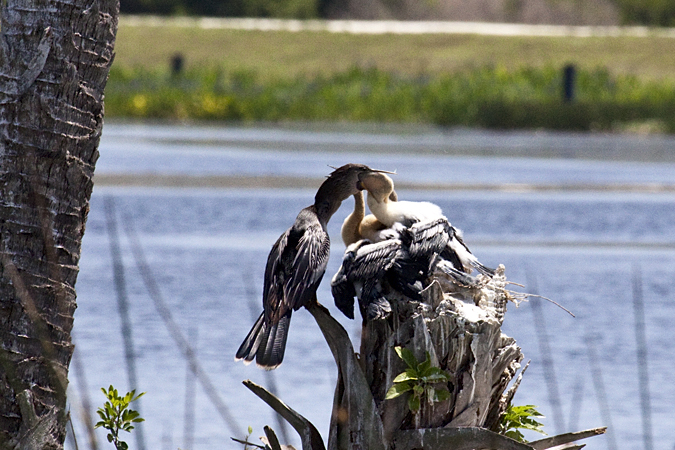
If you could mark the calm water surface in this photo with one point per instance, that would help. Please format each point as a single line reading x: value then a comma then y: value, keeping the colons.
x: 207, y: 249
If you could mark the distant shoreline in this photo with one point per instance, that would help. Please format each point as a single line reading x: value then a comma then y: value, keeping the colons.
x: 268, y: 182
x: 403, y: 138
x: 397, y: 27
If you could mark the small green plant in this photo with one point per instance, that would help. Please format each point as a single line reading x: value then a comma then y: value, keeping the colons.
x: 419, y: 378
x: 519, y: 418
x: 116, y: 415
x: 248, y: 445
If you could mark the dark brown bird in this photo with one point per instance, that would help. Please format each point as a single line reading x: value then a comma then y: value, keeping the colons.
x: 295, y: 267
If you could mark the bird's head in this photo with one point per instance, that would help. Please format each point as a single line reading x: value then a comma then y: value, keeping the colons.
x: 379, y: 185
x: 341, y: 184
x: 345, y: 181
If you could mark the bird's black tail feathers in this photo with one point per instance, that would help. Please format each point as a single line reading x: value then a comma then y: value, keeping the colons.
x: 488, y: 272
x: 250, y: 345
x: 265, y: 342
x: 460, y: 277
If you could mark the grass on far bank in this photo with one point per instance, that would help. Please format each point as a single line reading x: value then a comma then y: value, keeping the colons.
x: 623, y: 82
x: 488, y: 97
x: 282, y: 54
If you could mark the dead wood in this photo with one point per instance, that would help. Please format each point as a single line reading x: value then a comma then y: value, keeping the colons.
x: 566, y: 438
x: 458, y: 327
x: 466, y: 438
x: 310, y: 437
x: 355, y: 422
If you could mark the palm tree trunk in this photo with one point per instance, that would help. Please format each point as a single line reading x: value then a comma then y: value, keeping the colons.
x: 54, y: 63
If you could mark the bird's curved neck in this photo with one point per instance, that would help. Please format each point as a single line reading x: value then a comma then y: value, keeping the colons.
x: 325, y: 208
x: 332, y: 192
x: 381, y: 208
x: 350, y: 227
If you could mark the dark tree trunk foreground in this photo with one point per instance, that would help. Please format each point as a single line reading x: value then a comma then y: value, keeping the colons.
x: 54, y: 63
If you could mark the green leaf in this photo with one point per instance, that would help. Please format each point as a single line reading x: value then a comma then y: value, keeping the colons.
x: 536, y: 426
x: 436, y: 378
x: 412, y: 373
x: 407, y: 356
x: 414, y: 403
x: 397, y: 389
x: 130, y: 414
x: 524, y: 411
x: 429, y: 371
x: 250, y: 430
x: 404, y: 377
x: 441, y: 394
x: 424, y: 366
x: 521, y: 417
x: 515, y: 435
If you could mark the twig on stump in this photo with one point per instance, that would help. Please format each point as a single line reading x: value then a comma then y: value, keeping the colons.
x: 566, y: 438
x: 310, y: 437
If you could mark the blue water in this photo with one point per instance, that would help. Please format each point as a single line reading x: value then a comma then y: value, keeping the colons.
x: 207, y: 249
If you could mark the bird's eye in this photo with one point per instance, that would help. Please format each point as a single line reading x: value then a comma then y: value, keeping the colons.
x: 359, y: 185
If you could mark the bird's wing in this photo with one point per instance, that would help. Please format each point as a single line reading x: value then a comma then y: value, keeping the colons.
x: 273, y: 304
x: 458, y: 246
x: 309, y: 265
x: 374, y: 260
x: 428, y: 237
x: 343, y: 293
x: 341, y: 287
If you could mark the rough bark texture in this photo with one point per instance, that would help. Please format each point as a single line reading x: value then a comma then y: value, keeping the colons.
x: 54, y: 63
x: 460, y: 328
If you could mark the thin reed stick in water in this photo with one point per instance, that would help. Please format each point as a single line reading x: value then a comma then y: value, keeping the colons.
x: 190, y: 394
x: 600, y: 393
x: 174, y: 330
x: 546, y: 358
x: 643, y: 369
x: 123, y: 308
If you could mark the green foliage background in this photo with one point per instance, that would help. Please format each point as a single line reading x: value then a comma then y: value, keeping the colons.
x: 642, y: 12
x: 490, y: 97
x: 299, y: 9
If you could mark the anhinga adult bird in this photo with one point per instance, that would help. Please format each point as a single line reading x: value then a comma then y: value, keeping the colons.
x: 295, y: 267
x: 430, y: 228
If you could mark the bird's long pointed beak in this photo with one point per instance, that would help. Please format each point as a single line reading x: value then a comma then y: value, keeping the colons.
x: 384, y: 171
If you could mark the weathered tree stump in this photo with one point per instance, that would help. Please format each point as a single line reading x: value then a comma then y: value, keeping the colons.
x: 459, y: 327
